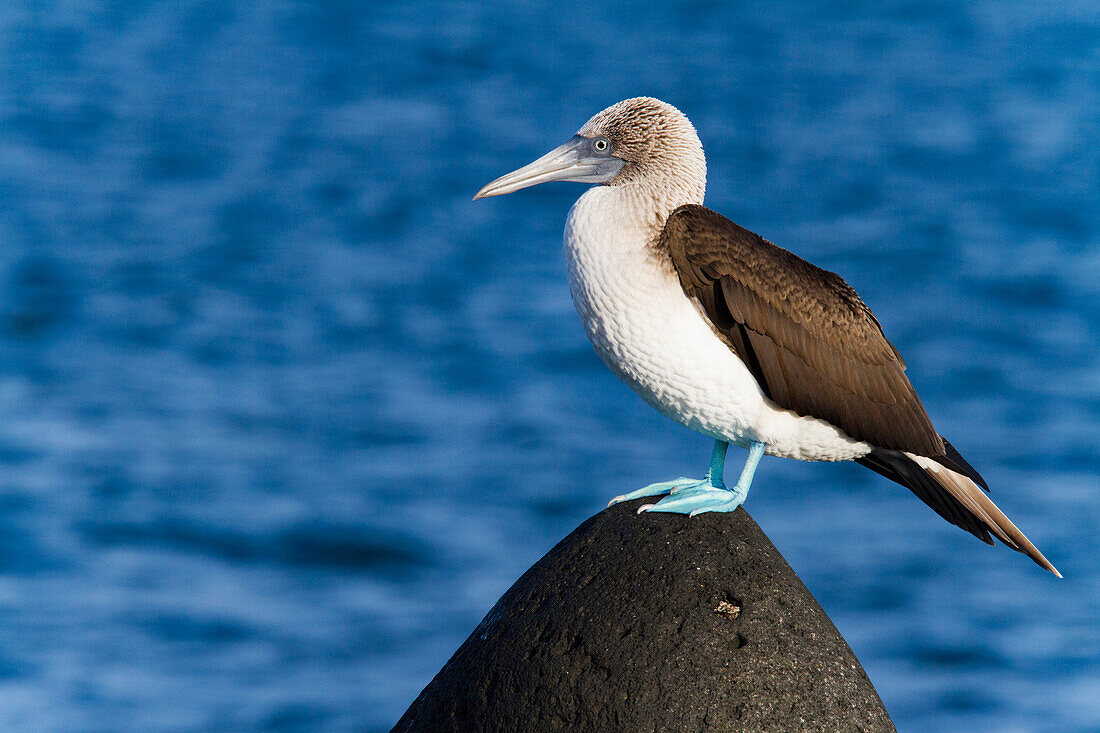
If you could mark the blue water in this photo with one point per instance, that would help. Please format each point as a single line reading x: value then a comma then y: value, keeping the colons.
x: 284, y: 412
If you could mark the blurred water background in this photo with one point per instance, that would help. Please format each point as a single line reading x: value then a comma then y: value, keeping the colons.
x: 283, y: 412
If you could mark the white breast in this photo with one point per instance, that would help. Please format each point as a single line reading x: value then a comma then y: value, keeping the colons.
x: 657, y: 341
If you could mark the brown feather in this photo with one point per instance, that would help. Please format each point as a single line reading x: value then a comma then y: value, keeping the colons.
x: 955, y: 497
x: 810, y: 342
x: 816, y: 349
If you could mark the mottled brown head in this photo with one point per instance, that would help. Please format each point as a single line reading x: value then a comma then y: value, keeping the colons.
x: 658, y: 143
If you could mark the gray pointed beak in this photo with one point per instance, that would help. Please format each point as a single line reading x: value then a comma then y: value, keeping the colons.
x: 574, y: 161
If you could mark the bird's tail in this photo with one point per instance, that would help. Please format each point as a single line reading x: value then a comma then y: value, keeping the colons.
x: 951, y: 487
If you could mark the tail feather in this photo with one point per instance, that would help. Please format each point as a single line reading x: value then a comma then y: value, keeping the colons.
x: 957, y: 463
x: 955, y: 496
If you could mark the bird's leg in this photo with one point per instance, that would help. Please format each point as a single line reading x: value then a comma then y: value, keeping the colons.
x: 711, y: 495
x: 712, y: 480
x: 717, y: 464
x: 740, y: 490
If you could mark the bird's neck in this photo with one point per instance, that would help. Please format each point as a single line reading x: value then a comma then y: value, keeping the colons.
x: 642, y: 206
x: 613, y: 233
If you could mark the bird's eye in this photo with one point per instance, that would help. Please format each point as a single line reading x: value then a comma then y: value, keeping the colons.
x: 601, y: 144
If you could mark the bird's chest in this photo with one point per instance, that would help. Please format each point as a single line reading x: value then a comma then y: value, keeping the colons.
x: 625, y: 296
x: 643, y: 326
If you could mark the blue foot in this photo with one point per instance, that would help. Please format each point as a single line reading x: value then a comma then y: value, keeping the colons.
x: 657, y: 489
x: 710, y: 494
x: 697, y: 501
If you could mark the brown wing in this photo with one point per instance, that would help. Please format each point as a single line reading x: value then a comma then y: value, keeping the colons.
x: 809, y: 340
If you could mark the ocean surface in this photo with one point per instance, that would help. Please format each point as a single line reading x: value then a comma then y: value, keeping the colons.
x: 283, y: 412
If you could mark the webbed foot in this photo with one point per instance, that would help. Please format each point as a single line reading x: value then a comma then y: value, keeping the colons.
x: 694, y: 496
x: 705, y: 498
x: 658, y: 489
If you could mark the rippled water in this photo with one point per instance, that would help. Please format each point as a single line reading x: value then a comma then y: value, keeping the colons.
x: 284, y: 412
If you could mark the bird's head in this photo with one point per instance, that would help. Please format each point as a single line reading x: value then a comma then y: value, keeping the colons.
x: 641, y: 142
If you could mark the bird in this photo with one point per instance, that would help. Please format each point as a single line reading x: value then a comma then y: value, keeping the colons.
x: 733, y: 336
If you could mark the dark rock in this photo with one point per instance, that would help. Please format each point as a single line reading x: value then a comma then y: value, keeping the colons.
x: 654, y: 623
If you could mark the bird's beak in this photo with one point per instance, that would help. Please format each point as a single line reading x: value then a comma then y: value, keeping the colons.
x: 574, y: 161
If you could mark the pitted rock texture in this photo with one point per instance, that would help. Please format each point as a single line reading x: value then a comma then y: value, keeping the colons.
x: 654, y: 622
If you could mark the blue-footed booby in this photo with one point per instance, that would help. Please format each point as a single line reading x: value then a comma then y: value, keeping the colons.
x: 735, y: 337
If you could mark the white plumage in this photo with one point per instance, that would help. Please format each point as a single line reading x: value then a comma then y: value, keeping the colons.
x: 656, y: 340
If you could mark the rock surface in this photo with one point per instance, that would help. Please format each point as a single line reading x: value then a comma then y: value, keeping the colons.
x: 654, y: 622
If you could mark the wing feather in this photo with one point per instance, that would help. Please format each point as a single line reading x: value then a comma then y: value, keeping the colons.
x: 812, y: 344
